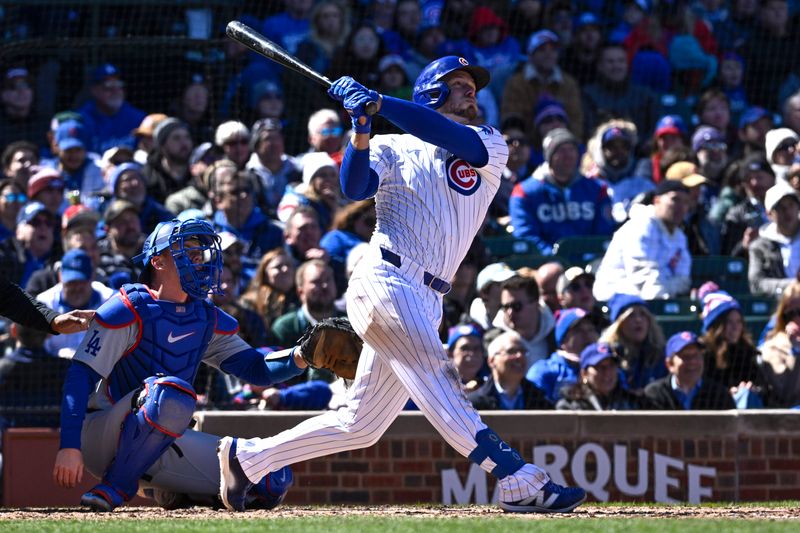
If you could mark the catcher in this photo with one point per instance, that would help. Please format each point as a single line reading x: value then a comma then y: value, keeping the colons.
x: 128, y: 399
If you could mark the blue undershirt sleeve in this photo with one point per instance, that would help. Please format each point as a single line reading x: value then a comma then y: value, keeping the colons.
x: 358, y: 180
x: 78, y: 383
x: 253, y: 367
x: 435, y: 128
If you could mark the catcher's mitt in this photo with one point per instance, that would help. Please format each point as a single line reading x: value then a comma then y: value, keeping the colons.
x: 332, y: 344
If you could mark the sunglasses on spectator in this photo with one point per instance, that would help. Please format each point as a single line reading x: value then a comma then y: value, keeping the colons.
x: 113, y: 84
x: 517, y: 141
x: 241, y: 141
x: 791, y: 314
x: 331, y: 132
x: 513, y: 306
x: 717, y: 145
x: 15, y: 197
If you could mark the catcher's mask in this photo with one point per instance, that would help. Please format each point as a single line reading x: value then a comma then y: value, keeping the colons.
x: 195, y: 248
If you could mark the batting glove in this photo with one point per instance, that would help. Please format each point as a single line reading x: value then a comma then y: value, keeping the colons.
x: 344, y: 87
x: 356, y: 106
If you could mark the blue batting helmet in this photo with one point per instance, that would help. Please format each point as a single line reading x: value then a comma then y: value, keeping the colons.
x: 431, y: 91
x: 195, y: 247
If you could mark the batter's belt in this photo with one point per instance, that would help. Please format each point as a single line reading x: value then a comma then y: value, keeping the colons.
x: 428, y: 279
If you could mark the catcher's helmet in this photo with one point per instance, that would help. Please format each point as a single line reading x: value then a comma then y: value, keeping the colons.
x: 431, y: 91
x: 199, y: 263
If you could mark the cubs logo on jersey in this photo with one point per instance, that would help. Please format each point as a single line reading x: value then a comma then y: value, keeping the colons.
x: 461, y: 177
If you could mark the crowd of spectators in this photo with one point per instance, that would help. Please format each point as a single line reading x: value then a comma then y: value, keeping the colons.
x: 668, y: 128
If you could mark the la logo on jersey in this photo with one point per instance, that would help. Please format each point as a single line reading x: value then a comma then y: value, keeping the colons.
x: 461, y: 177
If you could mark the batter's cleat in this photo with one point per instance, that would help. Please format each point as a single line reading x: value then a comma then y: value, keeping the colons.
x: 552, y: 498
x: 102, y: 498
x: 233, y: 482
x: 271, y: 490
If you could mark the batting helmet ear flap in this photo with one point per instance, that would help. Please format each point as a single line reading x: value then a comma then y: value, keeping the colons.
x: 433, y: 94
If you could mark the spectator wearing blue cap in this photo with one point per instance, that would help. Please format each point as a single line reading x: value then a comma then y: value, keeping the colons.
x: 742, y: 221
x: 685, y: 389
x: 580, y: 57
x: 599, y: 387
x: 754, y: 124
x: 637, y: 340
x: 31, y: 248
x: 79, y: 171
x: 126, y: 182
x: 465, y: 348
x: 615, y: 95
x: 564, y: 202
x: 611, y: 158
x: 731, y: 356
x: 670, y: 134
x: 574, y: 332
x: 649, y: 255
x: 108, y: 117
x: 712, y: 153
x: 76, y: 289
x: 541, y: 75
x: 507, y: 389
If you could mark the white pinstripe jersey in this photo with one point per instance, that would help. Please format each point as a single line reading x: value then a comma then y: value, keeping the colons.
x: 429, y: 203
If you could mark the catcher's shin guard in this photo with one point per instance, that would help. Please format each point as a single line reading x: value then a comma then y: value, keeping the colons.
x: 165, y: 408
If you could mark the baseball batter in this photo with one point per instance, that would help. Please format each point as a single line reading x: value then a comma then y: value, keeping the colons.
x: 432, y: 188
x: 128, y: 398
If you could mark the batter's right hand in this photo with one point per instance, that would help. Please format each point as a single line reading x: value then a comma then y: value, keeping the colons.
x: 68, y: 471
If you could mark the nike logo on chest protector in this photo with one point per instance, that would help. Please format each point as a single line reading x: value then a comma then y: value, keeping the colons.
x: 171, y: 339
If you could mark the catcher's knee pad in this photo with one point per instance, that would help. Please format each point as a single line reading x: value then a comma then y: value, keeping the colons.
x: 507, y: 459
x: 164, y: 410
x: 168, y: 404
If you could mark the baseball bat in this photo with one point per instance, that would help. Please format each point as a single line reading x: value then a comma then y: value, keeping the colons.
x: 261, y: 45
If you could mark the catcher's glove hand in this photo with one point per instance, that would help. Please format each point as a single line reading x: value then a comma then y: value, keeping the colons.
x: 332, y: 344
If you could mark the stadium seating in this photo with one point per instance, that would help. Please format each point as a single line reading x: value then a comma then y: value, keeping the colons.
x: 502, y: 247
x: 580, y: 250
x: 730, y: 273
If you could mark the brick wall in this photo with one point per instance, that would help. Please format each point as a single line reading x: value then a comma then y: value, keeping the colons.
x: 755, y: 456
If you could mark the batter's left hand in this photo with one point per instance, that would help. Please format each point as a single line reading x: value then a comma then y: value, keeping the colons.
x: 344, y: 87
x: 72, y: 322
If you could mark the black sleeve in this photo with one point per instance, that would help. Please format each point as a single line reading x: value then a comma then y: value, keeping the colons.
x: 23, y: 308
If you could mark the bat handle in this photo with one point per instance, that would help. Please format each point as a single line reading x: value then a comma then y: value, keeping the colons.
x: 371, y: 108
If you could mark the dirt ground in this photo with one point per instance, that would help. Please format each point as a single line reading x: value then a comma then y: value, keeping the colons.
x: 587, y: 511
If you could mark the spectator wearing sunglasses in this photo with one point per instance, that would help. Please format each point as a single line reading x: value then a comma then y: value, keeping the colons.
x: 30, y: 249
x: 234, y: 139
x: 325, y: 134
x: 109, y: 119
x: 521, y: 311
x: 781, y: 349
x: 774, y: 257
x: 781, y: 147
x: 574, y: 289
x: 12, y: 198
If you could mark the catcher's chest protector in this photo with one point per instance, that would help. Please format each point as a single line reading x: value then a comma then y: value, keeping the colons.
x: 173, y: 340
